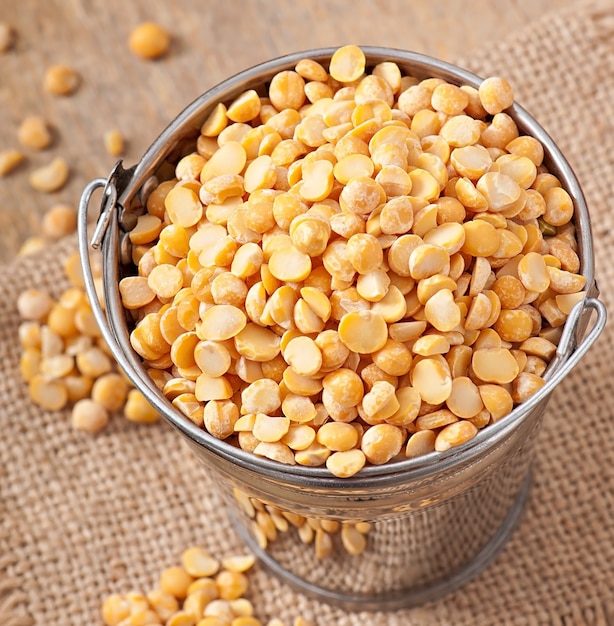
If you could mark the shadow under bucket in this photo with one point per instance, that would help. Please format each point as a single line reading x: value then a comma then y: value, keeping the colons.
x: 394, y: 535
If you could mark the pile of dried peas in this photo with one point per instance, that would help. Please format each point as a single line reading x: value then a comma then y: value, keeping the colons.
x: 66, y: 362
x: 202, y: 591
x: 358, y: 268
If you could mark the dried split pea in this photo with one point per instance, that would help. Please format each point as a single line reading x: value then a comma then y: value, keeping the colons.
x: 514, y: 325
x: 135, y: 292
x: 533, y: 273
x: 270, y: 429
x: 34, y: 304
x: 165, y: 280
x: 363, y: 332
x: 382, y: 442
x: 49, y: 394
x: 442, y: 312
x: 245, y: 108
x: 362, y: 195
x: 10, y: 159
x: 176, y: 581
x: 449, y: 99
x: 287, y: 90
x: 454, y: 435
x: 33, y: 132
x: 89, y: 416
x: 198, y: 563
x: 114, y: 142
x: 432, y: 380
x: 464, y: 399
x: 183, y: 207
x: 110, y: 391
x: 496, y: 94
x: 7, y: 37
x: 420, y: 443
x: 149, y: 40
x: 525, y: 385
x: 345, y: 464
x: 337, y: 436
x: 276, y: 451
x: 353, y: 166
x: 138, y: 409
x: 147, y: 228
x: 495, y: 365
x: 303, y: 355
x: 347, y: 64
x: 50, y: 177
x: 290, y: 265
x: 261, y: 173
x: 427, y: 260
x: 216, y: 122
x: 60, y: 220
x: 317, y: 180
x: 481, y: 238
x: 61, y: 80
x: 32, y: 244
x: 460, y: 131
x: 213, y: 358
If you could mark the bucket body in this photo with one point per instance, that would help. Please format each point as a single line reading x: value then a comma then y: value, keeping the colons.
x: 424, y: 537
x: 394, y: 535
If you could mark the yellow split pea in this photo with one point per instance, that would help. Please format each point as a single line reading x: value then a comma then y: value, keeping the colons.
x: 204, y: 590
x: 149, y: 40
x: 354, y: 263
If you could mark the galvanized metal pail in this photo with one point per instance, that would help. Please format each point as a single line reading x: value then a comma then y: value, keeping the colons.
x: 394, y: 535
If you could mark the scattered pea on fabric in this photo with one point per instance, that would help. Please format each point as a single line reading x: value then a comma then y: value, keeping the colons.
x: 202, y: 591
x: 61, y: 80
x: 353, y: 267
x: 7, y: 37
x: 149, y: 40
x: 50, y: 177
x: 33, y: 132
x: 58, y: 221
x: 114, y: 142
x: 10, y: 159
x: 64, y: 359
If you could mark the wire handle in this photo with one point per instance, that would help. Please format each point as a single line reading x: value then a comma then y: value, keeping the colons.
x: 106, y: 215
x: 569, y: 351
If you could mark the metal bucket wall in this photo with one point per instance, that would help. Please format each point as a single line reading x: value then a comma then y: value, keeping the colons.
x: 435, y: 521
x: 426, y: 537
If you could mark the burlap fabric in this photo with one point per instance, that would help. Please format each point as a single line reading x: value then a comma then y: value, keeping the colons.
x: 83, y: 516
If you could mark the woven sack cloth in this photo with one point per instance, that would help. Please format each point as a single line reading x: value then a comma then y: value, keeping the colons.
x: 82, y: 516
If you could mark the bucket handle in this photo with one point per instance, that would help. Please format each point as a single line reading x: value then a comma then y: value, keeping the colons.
x: 569, y: 351
x: 108, y: 211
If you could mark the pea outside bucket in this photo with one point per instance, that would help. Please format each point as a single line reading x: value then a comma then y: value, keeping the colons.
x: 394, y: 535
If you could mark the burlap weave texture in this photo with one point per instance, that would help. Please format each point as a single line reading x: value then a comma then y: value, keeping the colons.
x: 84, y: 516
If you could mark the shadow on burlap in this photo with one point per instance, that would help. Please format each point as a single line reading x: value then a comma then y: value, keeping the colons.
x: 83, y: 516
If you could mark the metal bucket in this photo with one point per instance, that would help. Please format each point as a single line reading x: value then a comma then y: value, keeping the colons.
x: 433, y: 522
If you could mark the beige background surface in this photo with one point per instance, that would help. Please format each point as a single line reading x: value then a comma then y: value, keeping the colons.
x: 60, y: 559
x: 212, y: 40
